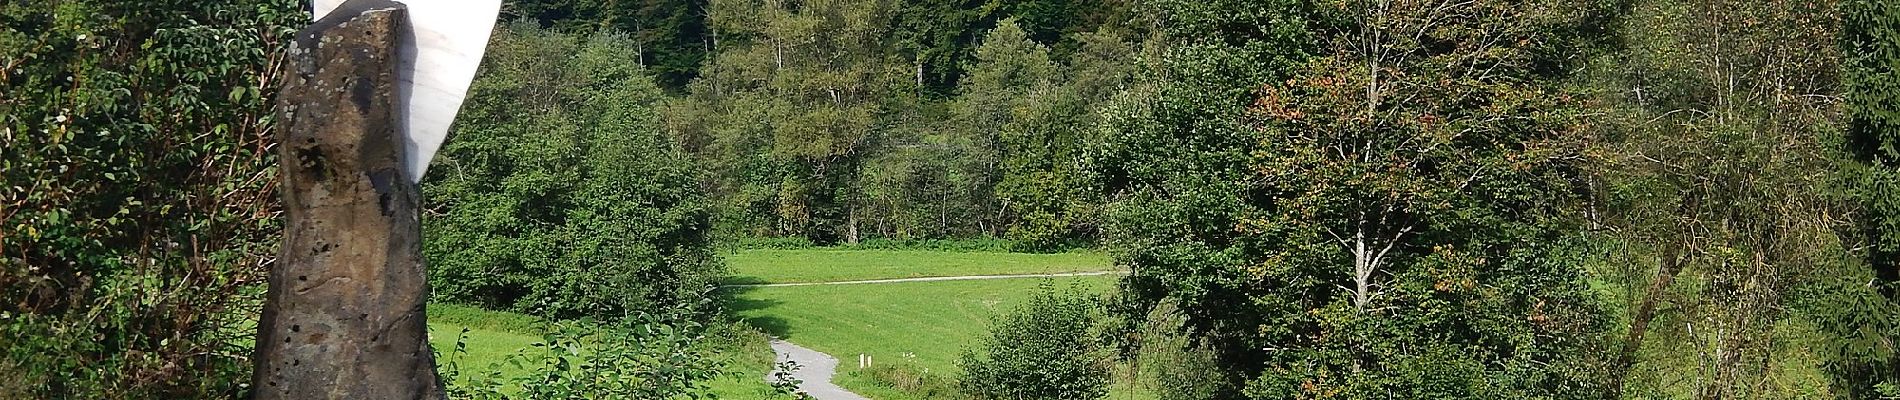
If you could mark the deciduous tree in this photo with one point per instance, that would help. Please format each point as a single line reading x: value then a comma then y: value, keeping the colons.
x: 1386, y: 216
x: 1719, y: 178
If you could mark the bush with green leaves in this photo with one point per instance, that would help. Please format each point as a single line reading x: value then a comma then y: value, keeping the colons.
x: 913, y: 380
x: 557, y: 194
x: 1046, y: 348
x: 1171, y: 362
x: 138, y: 210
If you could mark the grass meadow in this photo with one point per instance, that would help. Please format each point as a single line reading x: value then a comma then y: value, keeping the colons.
x: 925, y: 324
x: 911, y: 330
x: 929, y: 321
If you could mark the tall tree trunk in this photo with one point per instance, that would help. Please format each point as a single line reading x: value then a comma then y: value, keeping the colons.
x: 851, y: 225
x: 344, y: 318
x: 1750, y: 331
x: 1672, y: 264
x: 1361, y: 267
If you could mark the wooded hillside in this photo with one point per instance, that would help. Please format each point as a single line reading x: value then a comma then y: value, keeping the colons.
x: 1363, y: 199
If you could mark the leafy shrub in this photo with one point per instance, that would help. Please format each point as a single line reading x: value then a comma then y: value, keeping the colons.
x: 962, y: 245
x: 784, y: 379
x: 911, y: 380
x: 1172, y: 363
x: 559, y: 196
x: 1039, y: 232
x: 978, y: 244
x: 775, y: 243
x: 641, y: 357
x: 1044, y: 349
x: 137, y: 202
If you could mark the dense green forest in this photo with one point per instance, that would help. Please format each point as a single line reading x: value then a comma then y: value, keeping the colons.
x: 1603, y: 199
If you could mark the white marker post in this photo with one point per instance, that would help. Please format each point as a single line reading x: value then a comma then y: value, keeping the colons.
x: 368, y: 97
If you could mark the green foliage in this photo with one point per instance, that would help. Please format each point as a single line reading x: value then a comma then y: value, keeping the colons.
x: 828, y: 121
x: 771, y: 243
x: 851, y: 264
x: 670, y: 38
x: 1858, y: 348
x: 949, y: 245
x: 1172, y: 362
x: 935, y: 36
x: 558, y: 195
x: 1865, y: 318
x: 1316, y: 198
x: 909, y: 380
x: 480, y: 353
x: 137, y: 210
x: 784, y: 116
x: 940, y: 37
x: 1044, y: 349
x: 932, y: 181
x: 1873, y: 101
x: 1358, y: 201
x: 1026, y: 127
x: 783, y: 379
x: 1720, y: 170
x: 992, y: 245
x: 639, y: 357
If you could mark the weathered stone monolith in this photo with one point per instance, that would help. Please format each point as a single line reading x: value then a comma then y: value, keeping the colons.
x: 344, y: 315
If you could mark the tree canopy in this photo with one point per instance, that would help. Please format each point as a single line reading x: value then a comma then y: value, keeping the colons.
x: 560, y: 195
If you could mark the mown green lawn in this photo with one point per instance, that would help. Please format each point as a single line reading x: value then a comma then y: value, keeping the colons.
x: 485, y: 351
x: 826, y: 265
x: 924, y: 324
x: 491, y: 337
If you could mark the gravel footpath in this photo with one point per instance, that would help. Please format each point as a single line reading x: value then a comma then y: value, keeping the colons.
x: 814, y: 371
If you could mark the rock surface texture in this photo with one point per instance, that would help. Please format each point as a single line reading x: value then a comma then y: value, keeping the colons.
x: 344, y: 316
